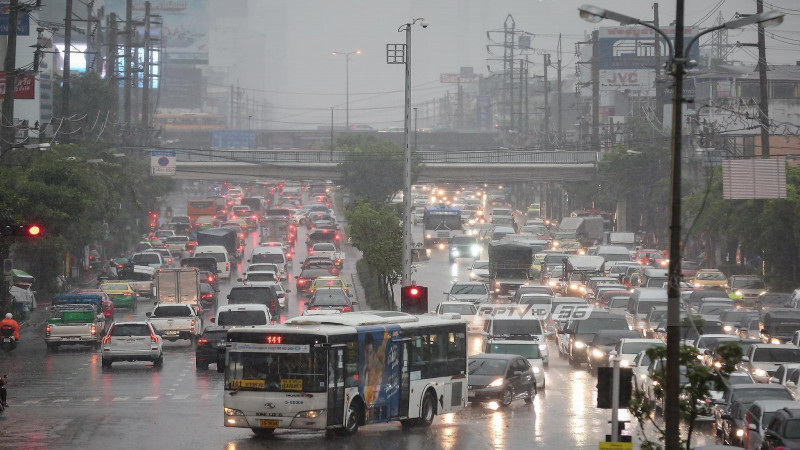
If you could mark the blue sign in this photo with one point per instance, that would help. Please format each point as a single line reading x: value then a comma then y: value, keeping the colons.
x: 23, y: 21
x: 233, y: 139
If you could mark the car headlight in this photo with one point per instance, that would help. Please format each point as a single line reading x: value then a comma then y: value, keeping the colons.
x: 700, y: 357
x: 312, y: 414
x: 497, y: 383
x: 582, y: 289
x: 552, y: 283
x: 739, y: 293
x: 536, y: 370
x: 428, y: 236
x: 759, y: 372
x: 598, y: 353
x: 573, y: 286
x: 697, y: 285
x: 455, y: 253
x: 718, y: 365
x: 739, y: 433
x: 497, y: 283
x: 727, y: 328
x: 476, y: 249
x: 624, y: 363
x: 233, y: 412
x: 775, y: 341
x: 579, y: 344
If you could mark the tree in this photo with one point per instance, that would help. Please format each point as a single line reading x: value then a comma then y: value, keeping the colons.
x: 373, y: 168
x: 697, y: 382
x: 93, y: 106
x: 376, y: 231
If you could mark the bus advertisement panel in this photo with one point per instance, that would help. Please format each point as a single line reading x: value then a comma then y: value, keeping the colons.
x: 440, y: 224
x: 381, y: 364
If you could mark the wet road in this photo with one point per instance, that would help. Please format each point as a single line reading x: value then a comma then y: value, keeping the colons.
x: 65, y: 399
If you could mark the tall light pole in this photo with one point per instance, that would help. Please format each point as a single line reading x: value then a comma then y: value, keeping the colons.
x: 249, y: 133
x: 347, y: 81
x: 677, y: 64
x: 401, y: 54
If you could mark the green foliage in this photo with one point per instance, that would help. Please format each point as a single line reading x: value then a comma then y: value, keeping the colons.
x: 373, y: 168
x: 377, y: 232
x: 697, y: 382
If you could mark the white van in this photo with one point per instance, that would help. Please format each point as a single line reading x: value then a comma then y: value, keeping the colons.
x: 270, y: 255
x: 643, y: 300
x: 514, y: 323
x: 613, y: 253
x: 243, y: 315
x: 220, y: 253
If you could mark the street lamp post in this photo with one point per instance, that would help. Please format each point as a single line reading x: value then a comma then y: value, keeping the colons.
x: 677, y: 64
x: 347, y: 81
x: 249, y: 133
x: 399, y: 54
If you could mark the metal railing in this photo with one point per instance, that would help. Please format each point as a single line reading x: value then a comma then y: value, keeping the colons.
x: 427, y: 157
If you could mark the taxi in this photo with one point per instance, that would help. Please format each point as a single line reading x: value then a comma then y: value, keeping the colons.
x: 327, y: 282
x: 710, y: 279
x: 205, y: 222
x: 121, y: 294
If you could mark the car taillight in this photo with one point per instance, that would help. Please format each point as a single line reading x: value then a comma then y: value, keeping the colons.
x: 299, y: 281
x: 207, y: 296
x: 165, y: 245
x: 202, y: 341
x: 227, y: 266
x: 108, y: 336
x: 337, y: 237
x: 346, y: 309
x: 311, y: 253
x: 153, y: 337
x: 120, y: 266
x: 93, y: 330
x: 313, y: 307
x: 193, y: 324
x: 254, y: 216
x: 210, y: 280
x: 48, y: 328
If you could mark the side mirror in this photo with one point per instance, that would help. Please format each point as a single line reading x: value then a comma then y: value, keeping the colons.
x: 148, y: 314
x: 752, y: 427
x: 774, y: 380
x: 213, y: 320
x: 288, y: 290
x: 517, y: 373
x: 745, y: 359
x: 355, y: 302
x: 239, y: 280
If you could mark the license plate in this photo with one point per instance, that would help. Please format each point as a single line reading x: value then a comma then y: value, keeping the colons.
x: 269, y: 424
x: 130, y: 341
x: 291, y: 385
x: 171, y: 332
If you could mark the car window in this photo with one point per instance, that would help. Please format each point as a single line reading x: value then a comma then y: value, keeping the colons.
x: 172, y: 311
x: 468, y: 289
x: 486, y: 366
x: 144, y: 259
x: 130, y: 329
x: 219, y: 257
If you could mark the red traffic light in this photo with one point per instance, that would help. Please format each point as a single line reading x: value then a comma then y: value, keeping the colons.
x: 413, y: 291
x: 33, y: 230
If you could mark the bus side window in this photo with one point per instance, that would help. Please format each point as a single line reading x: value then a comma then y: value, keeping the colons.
x: 456, y: 353
x: 418, y: 354
x: 351, y: 365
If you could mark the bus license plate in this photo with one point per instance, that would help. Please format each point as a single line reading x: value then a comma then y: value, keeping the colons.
x: 291, y: 385
x: 269, y: 424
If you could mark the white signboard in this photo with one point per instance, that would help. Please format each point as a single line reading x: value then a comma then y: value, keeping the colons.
x: 634, y: 80
x: 162, y: 162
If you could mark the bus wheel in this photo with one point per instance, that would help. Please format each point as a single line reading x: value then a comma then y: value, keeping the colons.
x: 428, y: 411
x: 263, y: 432
x: 353, y: 416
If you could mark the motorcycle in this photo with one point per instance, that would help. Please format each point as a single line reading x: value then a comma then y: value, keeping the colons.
x: 7, y: 339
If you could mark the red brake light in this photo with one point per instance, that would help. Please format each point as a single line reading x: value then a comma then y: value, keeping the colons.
x: 49, y: 328
x: 313, y: 307
x: 346, y: 309
x: 210, y: 280
x: 299, y: 281
x: 202, y: 341
x: 153, y: 337
x: 93, y: 330
x: 207, y: 296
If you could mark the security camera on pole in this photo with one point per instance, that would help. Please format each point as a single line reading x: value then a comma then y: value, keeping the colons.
x: 401, y: 54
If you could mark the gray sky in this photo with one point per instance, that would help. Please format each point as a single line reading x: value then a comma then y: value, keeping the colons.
x: 302, y: 73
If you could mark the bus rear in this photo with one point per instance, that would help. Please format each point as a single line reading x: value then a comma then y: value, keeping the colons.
x: 204, y: 207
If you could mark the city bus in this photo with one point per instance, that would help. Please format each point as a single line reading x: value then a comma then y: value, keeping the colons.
x: 342, y: 371
x: 440, y: 223
x: 201, y: 207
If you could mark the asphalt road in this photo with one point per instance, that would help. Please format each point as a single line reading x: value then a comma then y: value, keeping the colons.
x: 65, y: 400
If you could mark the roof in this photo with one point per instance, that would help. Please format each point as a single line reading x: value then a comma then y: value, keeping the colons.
x: 503, y: 356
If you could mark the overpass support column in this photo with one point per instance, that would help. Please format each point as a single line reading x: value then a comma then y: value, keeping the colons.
x: 622, y: 215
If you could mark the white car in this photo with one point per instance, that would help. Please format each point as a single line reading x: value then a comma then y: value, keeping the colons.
x: 628, y: 349
x: 467, y: 310
x: 264, y: 267
x: 762, y: 360
x: 132, y: 341
x: 468, y: 291
x: 479, y: 271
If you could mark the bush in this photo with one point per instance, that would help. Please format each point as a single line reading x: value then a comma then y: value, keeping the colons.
x: 371, y: 284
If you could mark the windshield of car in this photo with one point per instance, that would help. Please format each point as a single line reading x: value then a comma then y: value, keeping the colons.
x: 464, y: 310
x: 593, y: 325
x: 468, y: 289
x: 792, y: 430
x: 789, y: 355
x: 736, y: 316
x: 338, y: 299
x: 115, y: 287
x: 527, y: 351
x: 215, y: 335
x: 324, y: 247
x: 262, y: 268
x: 274, y: 258
x: 713, y: 276
x: 657, y: 315
x: 172, y: 311
x: 265, y: 276
x: 632, y: 348
x: 656, y: 281
x: 177, y: 240
x: 616, y: 257
x: 463, y: 240
x: 755, y: 393
x: 535, y: 300
x: 140, y: 276
x: 619, y: 301
x: 486, y: 366
x: 708, y: 342
x: 713, y: 308
x: 516, y: 327
x: 782, y: 329
x: 130, y: 329
x: 218, y: 257
x: 747, y: 283
x: 144, y: 259
x: 314, y: 273
x: 480, y: 265
x: 241, y: 318
x: 618, y: 268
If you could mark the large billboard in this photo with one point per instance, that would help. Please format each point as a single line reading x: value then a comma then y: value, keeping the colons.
x: 23, y: 21
x: 627, y: 58
x: 185, y: 29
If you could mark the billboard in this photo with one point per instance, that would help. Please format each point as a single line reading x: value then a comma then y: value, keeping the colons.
x: 753, y: 178
x: 25, y: 88
x: 232, y: 139
x: 185, y: 29
x: 23, y: 21
x: 633, y: 80
x: 632, y: 47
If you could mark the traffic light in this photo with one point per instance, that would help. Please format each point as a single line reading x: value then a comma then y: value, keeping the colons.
x: 605, y: 376
x: 414, y: 299
x: 21, y: 230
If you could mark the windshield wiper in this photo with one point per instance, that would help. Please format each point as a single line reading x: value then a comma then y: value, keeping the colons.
x: 476, y: 369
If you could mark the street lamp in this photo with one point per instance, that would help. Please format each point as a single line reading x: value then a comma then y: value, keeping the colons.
x: 347, y: 80
x: 249, y: 133
x: 677, y: 62
x: 401, y: 54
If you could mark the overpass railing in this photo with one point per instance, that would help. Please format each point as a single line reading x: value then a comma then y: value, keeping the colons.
x: 427, y: 157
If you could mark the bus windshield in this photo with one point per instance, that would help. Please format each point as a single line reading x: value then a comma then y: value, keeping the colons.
x: 277, y: 372
x: 449, y: 221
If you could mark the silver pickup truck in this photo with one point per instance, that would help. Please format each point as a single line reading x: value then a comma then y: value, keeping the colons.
x: 74, y: 324
x: 175, y: 321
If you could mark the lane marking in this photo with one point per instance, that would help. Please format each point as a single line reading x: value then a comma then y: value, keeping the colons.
x: 92, y: 399
x: 120, y: 399
x: 150, y: 398
x: 181, y: 397
x: 28, y: 402
x: 61, y: 400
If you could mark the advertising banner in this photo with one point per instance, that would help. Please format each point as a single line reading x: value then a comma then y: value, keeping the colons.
x: 639, y: 80
x: 632, y: 47
x: 24, y: 90
x: 185, y: 29
x: 380, y: 363
x: 23, y: 21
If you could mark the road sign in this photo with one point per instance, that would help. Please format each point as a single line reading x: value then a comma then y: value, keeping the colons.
x: 162, y: 162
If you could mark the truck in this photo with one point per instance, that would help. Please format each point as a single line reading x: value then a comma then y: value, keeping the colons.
x: 509, y: 266
x: 577, y: 271
x: 141, y: 280
x: 625, y: 239
x: 181, y: 286
x: 175, y: 321
x: 225, y: 237
x: 275, y: 229
x: 587, y: 230
x: 328, y: 250
x: 75, y: 319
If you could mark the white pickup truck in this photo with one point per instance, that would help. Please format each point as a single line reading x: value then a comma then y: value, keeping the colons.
x: 175, y: 321
x: 74, y: 319
x: 326, y: 249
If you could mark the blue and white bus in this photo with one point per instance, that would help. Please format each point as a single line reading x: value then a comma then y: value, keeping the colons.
x: 345, y: 370
x: 440, y: 223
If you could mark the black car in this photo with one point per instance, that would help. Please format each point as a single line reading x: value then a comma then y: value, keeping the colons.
x: 604, y: 341
x: 331, y: 298
x: 211, y: 348
x: 208, y: 297
x: 501, y: 378
x: 747, y: 393
x: 783, y: 431
x: 307, y: 276
x: 262, y: 295
x: 578, y: 333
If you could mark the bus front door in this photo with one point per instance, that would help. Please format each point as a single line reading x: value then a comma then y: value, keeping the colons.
x: 405, y: 380
x: 336, y: 386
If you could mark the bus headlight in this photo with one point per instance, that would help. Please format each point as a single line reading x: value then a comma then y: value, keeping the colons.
x: 739, y: 433
x: 428, y: 236
x: 233, y: 412
x: 598, y: 353
x: 313, y: 414
x: 542, y: 347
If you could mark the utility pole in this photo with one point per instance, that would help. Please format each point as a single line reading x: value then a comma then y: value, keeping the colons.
x: 595, y: 92
x: 230, y: 115
x: 460, y: 106
x: 111, y: 58
x: 128, y: 74
x: 657, y: 52
x: 9, y: 127
x: 558, y: 81
x: 546, y: 129
x: 763, y: 105
x: 331, y: 133
x: 146, y: 76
